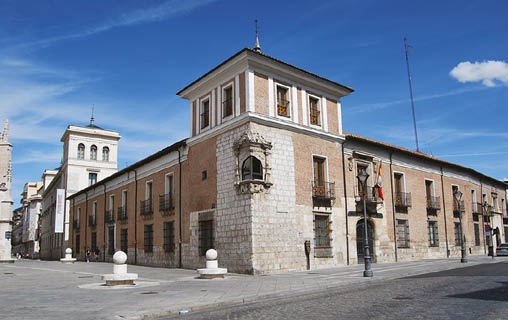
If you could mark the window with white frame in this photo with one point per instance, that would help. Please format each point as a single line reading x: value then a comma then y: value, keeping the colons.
x: 314, y: 111
x: 283, y: 101
x: 105, y: 154
x: 205, y: 113
x: 227, y: 101
x: 81, y: 151
x: 93, y: 152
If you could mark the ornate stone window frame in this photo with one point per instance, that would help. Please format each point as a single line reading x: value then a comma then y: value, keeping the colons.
x: 255, y: 145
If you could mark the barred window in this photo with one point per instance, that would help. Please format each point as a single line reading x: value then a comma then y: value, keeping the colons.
x: 402, y: 233
x: 169, y: 236
x: 321, y: 231
x: 476, y: 234
x: 148, y: 236
x: 123, y: 240
x: 433, y: 234
x: 456, y: 228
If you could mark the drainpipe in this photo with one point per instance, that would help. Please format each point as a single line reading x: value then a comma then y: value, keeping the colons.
x: 345, y: 204
x: 393, y: 208
x: 179, y: 210
x: 444, y: 213
x: 136, y: 217
x: 104, y: 227
x: 483, y: 220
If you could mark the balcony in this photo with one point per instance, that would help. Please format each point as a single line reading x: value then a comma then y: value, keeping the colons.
x: 76, y: 224
x: 283, y: 108
x: 477, y: 207
x: 456, y: 213
x: 166, y: 202
x: 91, y: 221
x: 371, y: 196
x: 403, y: 199
x: 121, y: 214
x: 323, y: 193
x: 433, y: 205
x: 109, y: 216
x: 145, y: 207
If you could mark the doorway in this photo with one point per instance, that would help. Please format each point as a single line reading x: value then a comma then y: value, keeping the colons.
x: 360, y: 243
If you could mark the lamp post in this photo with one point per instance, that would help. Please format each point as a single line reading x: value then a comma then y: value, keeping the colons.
x: 362, y: 178
x: 458, y: 195
x: 491, y: 233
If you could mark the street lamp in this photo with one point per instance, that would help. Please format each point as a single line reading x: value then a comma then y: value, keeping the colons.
x: 457, y: 194
x: 490, y: 235
x: 362, y: 178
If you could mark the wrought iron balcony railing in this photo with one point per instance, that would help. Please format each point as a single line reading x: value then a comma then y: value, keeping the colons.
x: 403, y: 199
x: 477, y: 207
x: 324, y: 190
x: 456, y: 212
x: 91, y: 221
x: 121, y: 213
x: 371, y: 194
x: 145, y: 207
x: 166, y: 202
x: 76, y: 224
x: 433, y: 203
x: 109, y: 216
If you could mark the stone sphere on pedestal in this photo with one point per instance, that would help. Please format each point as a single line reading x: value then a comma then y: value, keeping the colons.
x: 119, y: 257
x: 211, y: 254
x: 68, y: 251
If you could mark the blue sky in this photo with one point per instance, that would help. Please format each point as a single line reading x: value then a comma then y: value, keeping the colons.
x: 127, y: 59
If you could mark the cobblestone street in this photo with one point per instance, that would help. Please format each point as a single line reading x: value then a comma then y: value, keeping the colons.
x: 475, y: 292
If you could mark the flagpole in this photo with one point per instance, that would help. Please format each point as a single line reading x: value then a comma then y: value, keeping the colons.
x: 406, y: 48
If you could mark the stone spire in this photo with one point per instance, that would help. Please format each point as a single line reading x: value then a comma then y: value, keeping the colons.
x: 257, y: 47
x: 5, y: 133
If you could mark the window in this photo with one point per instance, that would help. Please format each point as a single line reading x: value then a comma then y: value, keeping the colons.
x: 227, y: 102
x: 433, y: 235
x: 319, y: 177
x: 169, y: 236
x: 111, y: 240
x: 252, y: 169
x: 476, y: 234
x: 205, y: 236
x: 282, y: 101
x: 321, y: 231
x: 93, y: 246
x: 92, y: 178
x: 456, y: 229
x: 93, y: 152
x: 123, y: 240
x: 146, y: 205
x: 205, y: 114
x: 105, y: 154
x: 81, y: 151
x: 148, y: 237
x: 77, y: 245
x: 402, y: 233
x: 314, y: 111
x: 166, y: 200
x: 361, y: 192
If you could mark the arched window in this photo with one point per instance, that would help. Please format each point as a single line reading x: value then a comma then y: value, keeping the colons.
x: 252, y: 169
x: 93, y: 152
x: 81, y: 151
x: 105, y: 154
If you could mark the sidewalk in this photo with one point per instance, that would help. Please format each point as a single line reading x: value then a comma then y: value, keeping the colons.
x: 32, y: 289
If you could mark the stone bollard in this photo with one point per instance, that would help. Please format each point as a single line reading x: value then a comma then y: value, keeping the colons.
x: 120, y: 275
x: 68, y: 257
x: 212, y: 269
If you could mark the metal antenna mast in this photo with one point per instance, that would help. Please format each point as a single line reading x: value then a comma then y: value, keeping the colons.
x: 406, y: 48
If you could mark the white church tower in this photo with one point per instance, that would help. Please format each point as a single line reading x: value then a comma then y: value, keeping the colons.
x: 5, y: 195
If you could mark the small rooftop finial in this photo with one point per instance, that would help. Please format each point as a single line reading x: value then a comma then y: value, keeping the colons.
x: 92, y: 118
x: 257, y: 47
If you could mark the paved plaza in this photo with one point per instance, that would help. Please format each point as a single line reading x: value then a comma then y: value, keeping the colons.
x: 32, y: 289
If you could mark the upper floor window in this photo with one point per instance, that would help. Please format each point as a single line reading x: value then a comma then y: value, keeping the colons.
x: 92, y: 178
x: 319, y: 176
x: 93, y: 152
x: 81, y: 151
x: 105, y: 154
x: 314, y: 113
x: 282, y: 101
x: 205, y: 114
x: 252, y: 169
x: 227, y: 101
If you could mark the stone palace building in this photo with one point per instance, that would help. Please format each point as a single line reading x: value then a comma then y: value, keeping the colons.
x: 268, y: 178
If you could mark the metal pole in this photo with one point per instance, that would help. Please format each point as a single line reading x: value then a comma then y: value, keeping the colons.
x: 367, y: 258
x: 463, y: 258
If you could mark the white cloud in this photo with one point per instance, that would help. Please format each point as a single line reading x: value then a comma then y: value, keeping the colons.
x: 488, y: 72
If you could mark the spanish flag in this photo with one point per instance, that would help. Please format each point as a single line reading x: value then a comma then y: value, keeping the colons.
x: 379, y: 181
